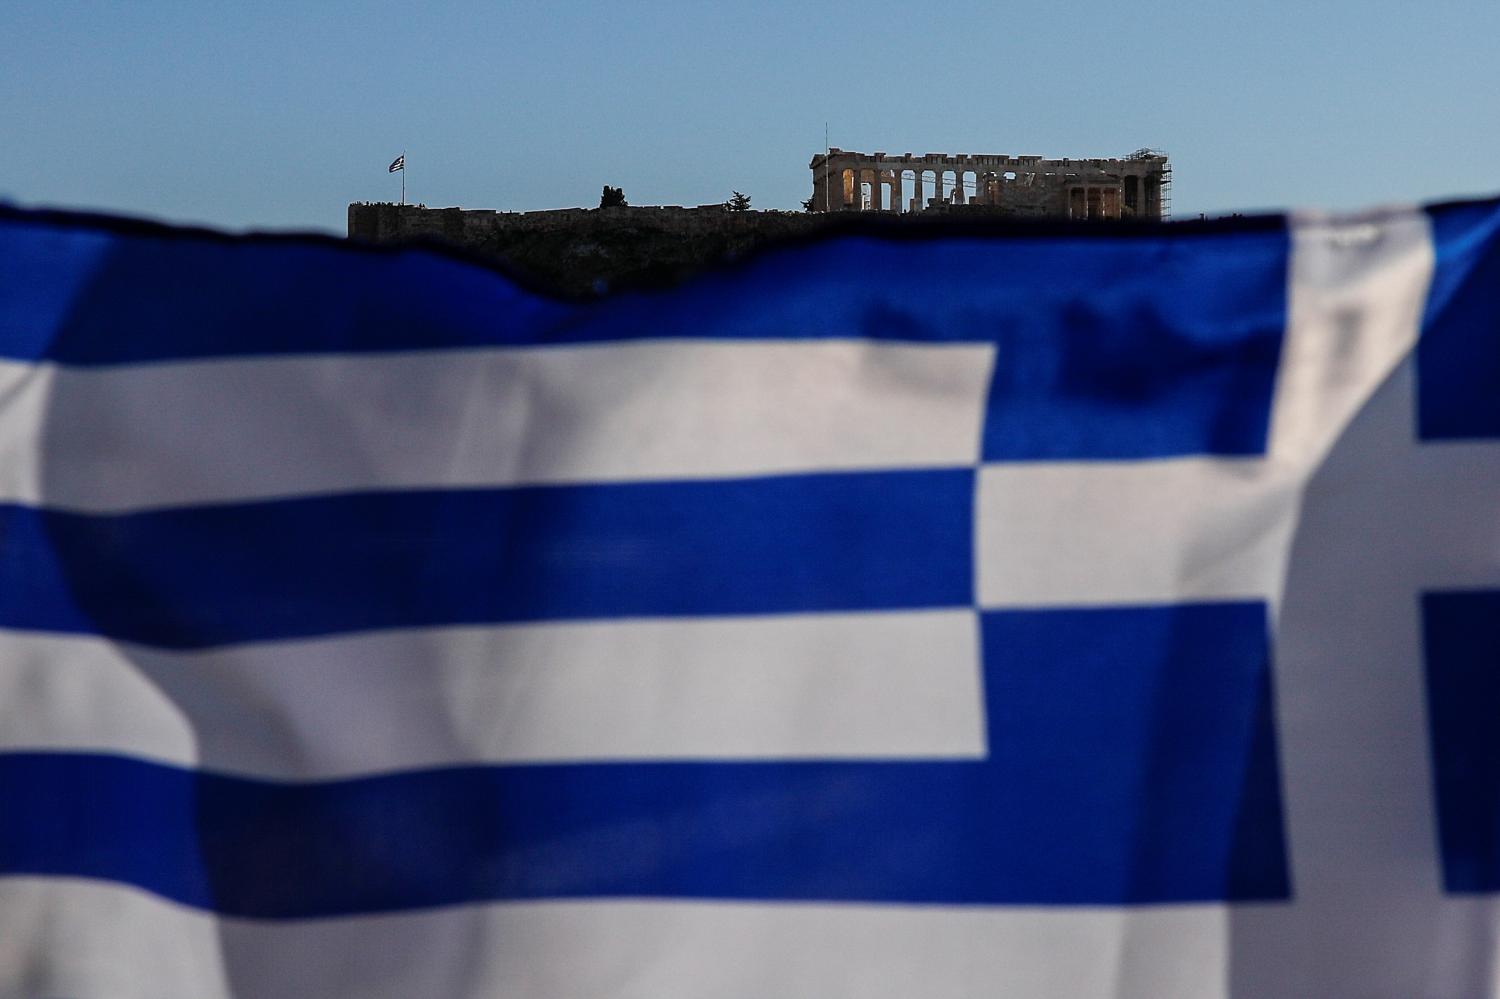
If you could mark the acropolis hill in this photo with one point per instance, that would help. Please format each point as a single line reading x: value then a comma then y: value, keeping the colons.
x: 580, y: 251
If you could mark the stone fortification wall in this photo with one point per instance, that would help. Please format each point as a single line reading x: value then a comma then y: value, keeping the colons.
x: 587, y: 250
x: 583, y: 251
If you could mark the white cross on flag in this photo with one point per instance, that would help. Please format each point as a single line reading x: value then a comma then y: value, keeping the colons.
x: 1040, y: 611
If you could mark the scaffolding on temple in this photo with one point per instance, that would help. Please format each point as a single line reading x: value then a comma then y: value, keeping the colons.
x: 1164, y: 179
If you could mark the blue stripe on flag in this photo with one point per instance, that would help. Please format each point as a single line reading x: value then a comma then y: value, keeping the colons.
x: 1458, y: 358
x: 177, y: 295
x: 1172, y: 351
x: 1132, y: 761
x: 48, y: 270
x: 1461, y: 635
x: 210, y: 575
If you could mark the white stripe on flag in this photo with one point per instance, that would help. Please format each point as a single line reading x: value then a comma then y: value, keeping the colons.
x: 140, y: 947
x: 808, y: 686
x: 1094, y: 533
x: 134, y: 437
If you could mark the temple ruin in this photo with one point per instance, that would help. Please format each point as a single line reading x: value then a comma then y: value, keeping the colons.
x: 1136, y: 186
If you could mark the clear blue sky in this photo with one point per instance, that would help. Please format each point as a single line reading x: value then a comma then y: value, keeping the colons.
x: 276, y: 115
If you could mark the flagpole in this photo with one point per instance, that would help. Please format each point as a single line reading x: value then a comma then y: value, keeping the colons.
x: 403, y: 176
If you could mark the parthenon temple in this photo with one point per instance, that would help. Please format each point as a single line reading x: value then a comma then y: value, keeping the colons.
x: 1136, y: 186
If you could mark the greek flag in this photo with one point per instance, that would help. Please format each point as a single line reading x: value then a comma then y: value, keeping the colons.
x: 944, y: 612
x: 399, y: 163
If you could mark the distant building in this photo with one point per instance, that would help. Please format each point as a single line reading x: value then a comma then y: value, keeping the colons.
x: 1137, y: 186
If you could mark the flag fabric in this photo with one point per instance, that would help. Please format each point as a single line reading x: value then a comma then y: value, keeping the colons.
x: 399, y: 163
x: 934, y: 611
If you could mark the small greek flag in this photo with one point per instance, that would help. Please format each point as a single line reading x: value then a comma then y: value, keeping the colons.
x: 1058, y: 613
x: 399, y: 163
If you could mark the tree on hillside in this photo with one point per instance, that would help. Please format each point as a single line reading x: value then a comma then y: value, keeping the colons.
x: 807, y: 205
x: 613, y: 197
x: 738, y: 203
